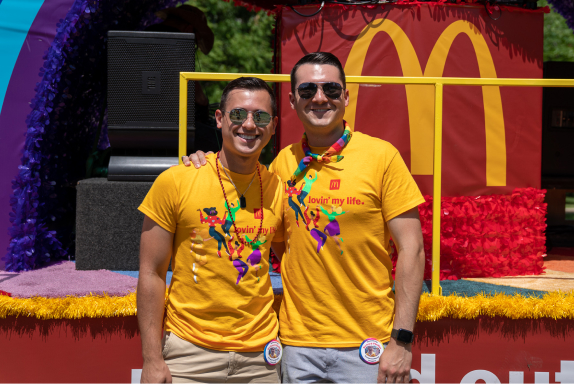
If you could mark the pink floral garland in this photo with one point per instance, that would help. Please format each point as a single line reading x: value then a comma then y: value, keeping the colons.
x: 487, y: 236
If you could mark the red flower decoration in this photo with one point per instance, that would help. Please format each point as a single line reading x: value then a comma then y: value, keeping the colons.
x: 487, y: 236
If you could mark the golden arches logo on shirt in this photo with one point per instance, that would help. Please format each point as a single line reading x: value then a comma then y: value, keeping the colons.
x: 420, y: 98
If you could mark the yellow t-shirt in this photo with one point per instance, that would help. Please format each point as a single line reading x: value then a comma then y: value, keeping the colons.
x: 216, y: 299
x: 337, y: 270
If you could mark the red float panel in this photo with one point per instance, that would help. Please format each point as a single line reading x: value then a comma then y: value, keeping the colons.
x: 446, y: 351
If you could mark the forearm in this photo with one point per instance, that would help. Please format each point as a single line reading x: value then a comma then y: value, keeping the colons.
x: 396, y: 361
x: 150, y: 305
x: 408, y: 285
x: 155, y: 250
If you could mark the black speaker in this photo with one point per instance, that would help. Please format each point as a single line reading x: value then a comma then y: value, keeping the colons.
x: 143, y: 91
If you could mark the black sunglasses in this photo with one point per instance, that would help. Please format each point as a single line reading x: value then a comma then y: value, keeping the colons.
x: 239, y: 115
x: 330, y: 89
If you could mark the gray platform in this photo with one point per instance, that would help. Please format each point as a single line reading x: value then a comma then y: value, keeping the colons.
x: 108, y: 224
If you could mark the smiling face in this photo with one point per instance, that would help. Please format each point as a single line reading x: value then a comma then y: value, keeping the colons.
x: 247, y: 139
x: 320, y: 115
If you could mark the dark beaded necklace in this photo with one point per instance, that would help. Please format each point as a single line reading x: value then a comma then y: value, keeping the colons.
x: 229, y: 210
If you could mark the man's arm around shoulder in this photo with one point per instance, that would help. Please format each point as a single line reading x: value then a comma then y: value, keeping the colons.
x: 395, y: 364
x: 155, y: 251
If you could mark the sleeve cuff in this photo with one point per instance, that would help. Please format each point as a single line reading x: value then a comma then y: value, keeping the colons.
x: 156, y: 219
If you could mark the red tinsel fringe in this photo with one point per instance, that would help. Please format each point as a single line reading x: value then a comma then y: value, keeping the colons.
x: 438, y: 3
x: 275, y: 263
x: 484, y: 236
x: 276, y: 9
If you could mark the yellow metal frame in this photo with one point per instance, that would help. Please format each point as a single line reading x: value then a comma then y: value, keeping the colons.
x: 438, y: 82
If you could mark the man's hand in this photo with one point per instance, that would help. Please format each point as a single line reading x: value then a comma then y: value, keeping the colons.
x: 155, y: 372
x: 197, y: 158
x: 395, y: 363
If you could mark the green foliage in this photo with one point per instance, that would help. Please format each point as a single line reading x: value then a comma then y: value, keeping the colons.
x: 558, y: 38
x: 242, y: 42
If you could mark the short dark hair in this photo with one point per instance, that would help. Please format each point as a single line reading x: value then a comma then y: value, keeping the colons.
x: 323, y: 58
x: 250, y: 84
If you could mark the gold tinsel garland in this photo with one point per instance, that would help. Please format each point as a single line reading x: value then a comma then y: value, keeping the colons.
x: 70, y: 307
x: 555, y: 305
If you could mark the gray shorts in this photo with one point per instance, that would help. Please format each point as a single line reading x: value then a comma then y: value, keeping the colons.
x: 326, y: 365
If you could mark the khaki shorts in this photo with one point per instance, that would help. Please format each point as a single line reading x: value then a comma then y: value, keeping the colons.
x: 189, y: 363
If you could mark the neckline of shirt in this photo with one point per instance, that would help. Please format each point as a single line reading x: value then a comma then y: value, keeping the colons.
x: 236, y: 177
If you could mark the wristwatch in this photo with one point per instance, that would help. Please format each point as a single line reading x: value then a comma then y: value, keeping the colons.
x: 402, y: 335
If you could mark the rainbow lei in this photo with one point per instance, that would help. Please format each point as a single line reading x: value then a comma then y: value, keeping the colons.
x: 329, y: 156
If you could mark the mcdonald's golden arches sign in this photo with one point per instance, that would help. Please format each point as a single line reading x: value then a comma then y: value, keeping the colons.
x: 491, y: 139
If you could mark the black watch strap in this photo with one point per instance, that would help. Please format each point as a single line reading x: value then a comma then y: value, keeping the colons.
x: 402, y: 335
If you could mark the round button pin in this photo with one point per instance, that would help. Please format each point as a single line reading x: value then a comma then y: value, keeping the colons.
x: 371, y: 350
x: 273, y: 352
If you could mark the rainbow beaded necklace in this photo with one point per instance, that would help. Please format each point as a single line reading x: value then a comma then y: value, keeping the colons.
x: 329, y: 156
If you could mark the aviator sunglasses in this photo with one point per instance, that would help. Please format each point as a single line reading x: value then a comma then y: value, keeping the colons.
x: 239, y: 115
x: 330, y: 89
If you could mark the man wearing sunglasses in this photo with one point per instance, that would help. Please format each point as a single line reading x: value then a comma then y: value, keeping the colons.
x: 219, y: 322
x: 339, y: 306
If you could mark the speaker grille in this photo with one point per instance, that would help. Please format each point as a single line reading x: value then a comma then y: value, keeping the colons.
x: 143, y: 79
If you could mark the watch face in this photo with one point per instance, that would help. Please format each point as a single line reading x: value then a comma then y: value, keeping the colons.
x: 405, y: 336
